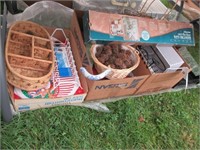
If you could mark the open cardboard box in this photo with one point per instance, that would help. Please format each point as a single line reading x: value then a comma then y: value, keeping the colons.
x: 105, y: 88
x: 143, y: 82
x: 77, y: 45
x: 162, y: 81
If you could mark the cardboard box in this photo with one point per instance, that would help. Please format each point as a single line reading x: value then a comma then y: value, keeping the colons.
x: 105, y: 88
x: 144, y: 82
x: 79, y: 53
x: 162, y: 81
x: 30, y: 104
x: 21, y: 105
x: 115, y: 27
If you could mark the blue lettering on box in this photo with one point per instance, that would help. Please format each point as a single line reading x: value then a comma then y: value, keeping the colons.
x: 66, y: 100
x: 179, y: 37
x: 24, y: 107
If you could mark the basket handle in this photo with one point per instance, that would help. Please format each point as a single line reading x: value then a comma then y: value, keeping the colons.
x: 136, y: 51
x: 94, y: 77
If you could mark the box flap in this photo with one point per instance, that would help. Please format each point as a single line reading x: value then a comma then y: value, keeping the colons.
x: 79, y: 39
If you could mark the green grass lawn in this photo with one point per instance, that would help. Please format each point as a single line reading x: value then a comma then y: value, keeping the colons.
x: 164, y: 121
x: 195, y: 50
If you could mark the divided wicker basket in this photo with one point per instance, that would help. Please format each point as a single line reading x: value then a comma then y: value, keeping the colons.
x: 116, y: 73
x: 29, y: 56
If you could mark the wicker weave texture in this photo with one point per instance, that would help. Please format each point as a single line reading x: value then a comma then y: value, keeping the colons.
x: 29, y: 56
x: 116, y: 73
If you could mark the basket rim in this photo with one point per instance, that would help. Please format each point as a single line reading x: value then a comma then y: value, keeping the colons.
x: 6, y: 52
x: 23, y: 88
x: 106, y: 67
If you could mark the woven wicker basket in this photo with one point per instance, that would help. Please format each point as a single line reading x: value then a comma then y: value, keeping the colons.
x: 29, y: 56
x: 116, y: 73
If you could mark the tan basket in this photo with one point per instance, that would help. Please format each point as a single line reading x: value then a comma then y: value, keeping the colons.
x: 29, y: 56
x: 116, y: 73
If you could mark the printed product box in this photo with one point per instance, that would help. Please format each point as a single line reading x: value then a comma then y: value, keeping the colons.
x: 104, y: 27
x: 30, y: 104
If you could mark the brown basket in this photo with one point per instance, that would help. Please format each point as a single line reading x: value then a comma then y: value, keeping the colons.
x: 29, y: 56
x: 116, y: 73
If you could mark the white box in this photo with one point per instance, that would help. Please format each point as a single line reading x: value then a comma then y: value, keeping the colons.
x: 170, y: 57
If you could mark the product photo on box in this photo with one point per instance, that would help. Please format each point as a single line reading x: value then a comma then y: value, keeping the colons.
x: 123, y: 28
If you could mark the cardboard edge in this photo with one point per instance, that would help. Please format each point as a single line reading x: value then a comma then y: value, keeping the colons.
x: 180, y: 77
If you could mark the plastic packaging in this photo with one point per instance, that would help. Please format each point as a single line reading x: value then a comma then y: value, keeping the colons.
x: 113, y: 6
x: 46, y: 13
